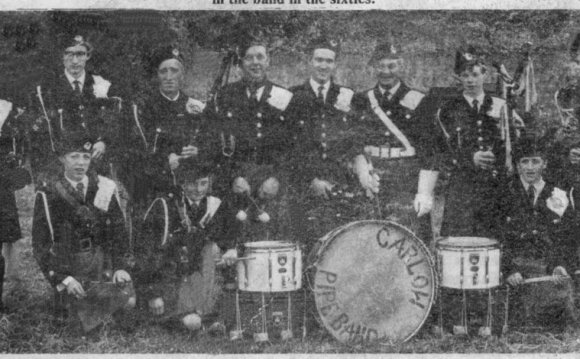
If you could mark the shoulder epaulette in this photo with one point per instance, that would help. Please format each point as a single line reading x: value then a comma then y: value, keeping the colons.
x: 412, y: 99
x: 279, y: 97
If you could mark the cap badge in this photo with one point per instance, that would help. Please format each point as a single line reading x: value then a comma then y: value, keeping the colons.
x: 393, y: 50
x: 468, y: 56
x: 87, y: 146
x: 175, y: 52
x: 79, y: 39
x: 333, y: 43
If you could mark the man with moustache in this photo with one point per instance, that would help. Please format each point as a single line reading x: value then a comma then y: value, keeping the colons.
x: 396, y: 137
x: 166, y: 128
x: 71, y: 101
x: 249, y: 120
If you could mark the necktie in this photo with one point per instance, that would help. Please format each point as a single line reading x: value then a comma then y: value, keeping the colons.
x: 531, y: 195
x: 81, y: 191
x: 321, y: 94
x: 476, y: 106
x: 77, y: 86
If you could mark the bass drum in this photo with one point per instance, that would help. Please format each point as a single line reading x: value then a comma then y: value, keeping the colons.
x: 373, y: 282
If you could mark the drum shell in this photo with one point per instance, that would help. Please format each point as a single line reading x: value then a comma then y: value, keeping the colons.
x: 372, y: 286
x: 270, y: 267
x: 470, y: 265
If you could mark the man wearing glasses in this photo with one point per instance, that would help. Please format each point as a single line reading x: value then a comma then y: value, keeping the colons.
x: 71, y: 100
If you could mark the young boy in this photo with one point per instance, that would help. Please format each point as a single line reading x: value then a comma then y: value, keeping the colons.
x: 186, y: 235
x: 539, y: 227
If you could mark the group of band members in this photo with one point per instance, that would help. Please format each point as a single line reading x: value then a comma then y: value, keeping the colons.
x: 205, y: 177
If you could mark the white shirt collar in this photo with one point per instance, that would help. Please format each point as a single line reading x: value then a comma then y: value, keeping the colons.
x: 315, y: 85
x: 84, y: 181
x: 169, y: 98
x: 538, y: 187
x: 392, y: 90
x: 259, y: 92
x: 478, y: 98
x: 71, y: 79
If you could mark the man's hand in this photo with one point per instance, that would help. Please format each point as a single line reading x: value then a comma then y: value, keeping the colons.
x: 230, y: 256
x: 73, y: 287
x: 367, y: 178
x: 515, y: 279
x: 423, y: 204
x: 121, y: 276
x: 484, y: 159
x: 99, y: 149
x: 560, y: 275
x: 156, y: 306
x: 173, y: 161
x: 241, y: 185
x: 189, y: 151
x: 320, y: 188
x: 574, y: 156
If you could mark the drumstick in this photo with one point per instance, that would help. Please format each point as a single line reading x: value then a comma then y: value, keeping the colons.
x: 237, y: 259
x: 542, y: 279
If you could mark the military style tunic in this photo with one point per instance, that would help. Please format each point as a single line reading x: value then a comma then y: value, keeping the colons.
x: 177, y: 262
x: 471, y: 194
x: 91, y: 113
x: 535, y: 241
x: 323, y: 135
x: 11, y: 148
x: 76, y: 237
x: 535, y: 234
x: 397, y: 154
x: 161, y: 127
x: 249, y: 137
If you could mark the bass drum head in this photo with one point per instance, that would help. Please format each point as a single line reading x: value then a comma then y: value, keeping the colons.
x: 374, y: 281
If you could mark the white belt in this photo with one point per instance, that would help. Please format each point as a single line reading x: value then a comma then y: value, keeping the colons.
x: 389, y: 152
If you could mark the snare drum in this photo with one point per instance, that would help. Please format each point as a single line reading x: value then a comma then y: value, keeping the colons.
x: 270, y: 266
x: 469, y: 262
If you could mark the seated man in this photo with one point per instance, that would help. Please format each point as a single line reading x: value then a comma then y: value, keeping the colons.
x: 79, y: 240
x: 539, y: 232
x: 185, y: 236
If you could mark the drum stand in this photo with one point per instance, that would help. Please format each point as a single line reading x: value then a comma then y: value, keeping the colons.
x: 263, y: 335
x: 462, y: 329
x: 237, y: 333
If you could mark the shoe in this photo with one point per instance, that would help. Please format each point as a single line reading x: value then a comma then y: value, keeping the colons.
x: 216, y: 329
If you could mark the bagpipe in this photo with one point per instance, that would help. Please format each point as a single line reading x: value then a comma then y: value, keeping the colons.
x: 510, y: 88
x: 12, y: 136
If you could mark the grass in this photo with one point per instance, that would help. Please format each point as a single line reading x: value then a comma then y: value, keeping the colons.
x: 30, y: 328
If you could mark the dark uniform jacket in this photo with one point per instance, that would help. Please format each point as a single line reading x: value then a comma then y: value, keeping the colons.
x: 93, y: 113
x: 162, y: 127
x: 323, y: 134
x: 12, y: 176
x: 536, y: 233
x: 166, y: 254
x: 400, y: 108
x: 248, y: 130
x: 471, y: 198
x: 71, y: 237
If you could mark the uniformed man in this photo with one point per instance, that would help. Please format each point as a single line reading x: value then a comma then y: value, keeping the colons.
x: 166, y: 128
x: 178, y: 266
x: 539, y: 230
x: 327, y: 154
x: 472, y: 146
x: 79, y: 240
x: 250, y: 134
x: 12, y: 177
x: 70, y: 101
x: 397, y: 138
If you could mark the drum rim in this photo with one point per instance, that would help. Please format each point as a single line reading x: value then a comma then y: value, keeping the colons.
x: 462, y: 247
x: 280, y: 245
x: 332, y: 235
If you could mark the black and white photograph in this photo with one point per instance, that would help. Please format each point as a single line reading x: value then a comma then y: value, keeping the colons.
x: 289, y: 177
